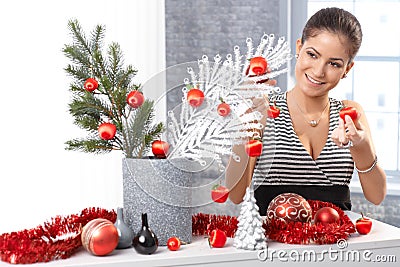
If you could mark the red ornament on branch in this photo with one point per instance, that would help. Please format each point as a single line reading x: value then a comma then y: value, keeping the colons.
x: 195, y: 97
x: 258, y: 65
x: 107, y: 131
x: 254, y: 147
x: 223, y: 109
x: 135, y: 99
x: 91, y: 84
x: 160, y: 149
x: 219, y: 193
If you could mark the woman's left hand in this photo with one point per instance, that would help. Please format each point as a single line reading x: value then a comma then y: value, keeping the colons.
x: 349, y: 131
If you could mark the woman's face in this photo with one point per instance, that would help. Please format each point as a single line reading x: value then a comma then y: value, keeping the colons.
x: 322, y: 62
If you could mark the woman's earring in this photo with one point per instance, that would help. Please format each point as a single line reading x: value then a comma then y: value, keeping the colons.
x: 344, y: 75
x: 296, y: 56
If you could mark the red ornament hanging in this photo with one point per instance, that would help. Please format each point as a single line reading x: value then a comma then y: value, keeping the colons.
x: 160, y: 149
x: 91, y: 84
x: 289, y: 207
x: 219, y: 193
x: 195, y: 97
x: 107, y: 131
x: 258, y: 66
x: 254, y: 147
x: 135, y: 99
x: 223, y: 109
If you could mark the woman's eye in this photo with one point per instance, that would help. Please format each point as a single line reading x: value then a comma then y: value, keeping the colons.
x: 311, y: 54
x: 335, y: 64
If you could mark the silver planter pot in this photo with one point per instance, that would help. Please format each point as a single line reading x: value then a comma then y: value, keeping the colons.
x: 162, y: 189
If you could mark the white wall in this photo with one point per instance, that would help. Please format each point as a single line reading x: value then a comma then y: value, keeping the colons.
x: 38, y: 178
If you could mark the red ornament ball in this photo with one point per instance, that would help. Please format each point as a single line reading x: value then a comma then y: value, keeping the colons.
x: 160, y: 149
x: 91, y: 84
x: 217, y: 238
x: 326, y: 215
x: 223, y: 109
x: 195, y: 97
x: 173, y: 243
x: 99, y: 237
x: 107, y: 131
x: 254, y: 147
x: 135, y: 99
x: 289, y: 207
x: 258, y: 65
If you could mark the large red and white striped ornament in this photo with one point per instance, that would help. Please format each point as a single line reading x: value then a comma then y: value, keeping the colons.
x: 289, y: 207
x: 99, y: 237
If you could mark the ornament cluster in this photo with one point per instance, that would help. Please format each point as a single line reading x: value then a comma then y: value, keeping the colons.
x: 216, y: 110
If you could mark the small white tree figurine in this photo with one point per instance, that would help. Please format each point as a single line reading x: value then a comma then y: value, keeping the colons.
x: 250, y: 234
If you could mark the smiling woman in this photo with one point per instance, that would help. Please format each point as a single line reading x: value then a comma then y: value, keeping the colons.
x: 310, y: 157
x: 39, y: 178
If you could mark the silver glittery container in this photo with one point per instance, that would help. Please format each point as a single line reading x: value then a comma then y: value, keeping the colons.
x: 162, y: 189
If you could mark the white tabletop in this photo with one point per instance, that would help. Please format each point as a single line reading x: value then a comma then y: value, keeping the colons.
x: 382, y: 244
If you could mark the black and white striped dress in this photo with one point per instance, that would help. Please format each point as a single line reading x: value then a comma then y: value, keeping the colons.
x: 286, y: 166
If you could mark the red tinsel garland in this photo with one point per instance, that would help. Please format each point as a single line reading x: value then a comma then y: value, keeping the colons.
x: 56, y: 239
x: 292, y: 232
x: 203, y: 224
x: 305, y: 233
x: 59, y: 238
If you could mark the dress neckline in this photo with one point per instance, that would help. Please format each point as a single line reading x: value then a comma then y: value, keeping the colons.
x: 297, y: 137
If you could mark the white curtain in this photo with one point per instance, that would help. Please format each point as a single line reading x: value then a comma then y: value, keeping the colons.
x: 38, y: 178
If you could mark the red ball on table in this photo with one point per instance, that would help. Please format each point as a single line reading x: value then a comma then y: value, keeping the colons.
x: 99, y: 237
x: 289, y: 207
x: 326, y: 215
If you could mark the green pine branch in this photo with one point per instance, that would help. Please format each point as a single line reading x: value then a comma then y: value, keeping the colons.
x: 135, y: 128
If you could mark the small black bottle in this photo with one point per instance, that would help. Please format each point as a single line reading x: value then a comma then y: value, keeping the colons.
x: 145, y: 242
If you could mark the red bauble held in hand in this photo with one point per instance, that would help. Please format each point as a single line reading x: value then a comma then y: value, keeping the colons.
x: 160, y: 149
x: 289, y: 207
x: 258, y: 65
x: 99, y: 237
x: 326, y: 215
x: 350, y: 111
x: 135, y: 99
x: 107, y: 131
x: 91, y: 84
x: 195, y: 97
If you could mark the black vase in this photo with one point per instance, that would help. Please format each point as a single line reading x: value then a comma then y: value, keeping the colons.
x: 145, y: 242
